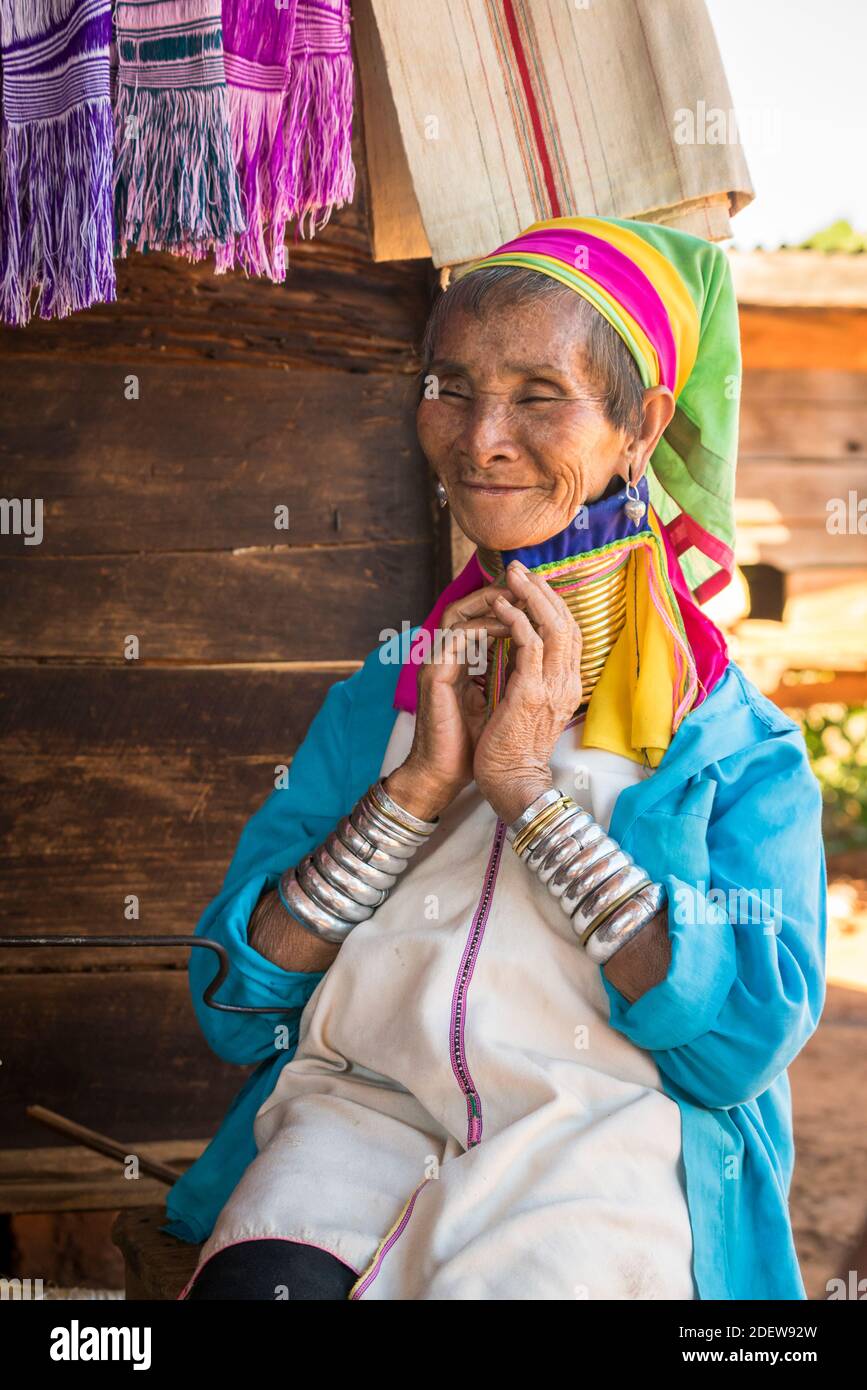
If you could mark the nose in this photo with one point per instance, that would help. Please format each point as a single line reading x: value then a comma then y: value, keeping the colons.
x: 488, y: 435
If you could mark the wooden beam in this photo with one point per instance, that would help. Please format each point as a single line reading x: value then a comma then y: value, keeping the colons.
x: 799, y: 339
x: 157, y: 1266
x: 295, y: 604
x: 205, y: 456
x: 74, y: 1178
x: 122, y: 1052
x: 802, y: 279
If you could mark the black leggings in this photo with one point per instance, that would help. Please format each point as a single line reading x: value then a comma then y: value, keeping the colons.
x: 273, y: 1270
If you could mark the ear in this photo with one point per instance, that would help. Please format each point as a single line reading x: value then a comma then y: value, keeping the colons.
x: 658, y: 411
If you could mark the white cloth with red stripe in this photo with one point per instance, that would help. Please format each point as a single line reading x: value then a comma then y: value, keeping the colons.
x: 460, y: 1121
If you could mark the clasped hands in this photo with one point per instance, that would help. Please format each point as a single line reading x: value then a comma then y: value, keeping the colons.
x: 508, y: 756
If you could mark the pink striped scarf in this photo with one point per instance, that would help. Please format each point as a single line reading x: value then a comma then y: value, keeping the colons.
x: 289, y: 74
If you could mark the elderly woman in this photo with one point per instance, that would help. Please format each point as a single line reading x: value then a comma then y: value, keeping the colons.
x: 554, y: 932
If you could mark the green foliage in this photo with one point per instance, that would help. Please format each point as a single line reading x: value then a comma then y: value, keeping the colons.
x: 836, y: 739
x: 840, y: 236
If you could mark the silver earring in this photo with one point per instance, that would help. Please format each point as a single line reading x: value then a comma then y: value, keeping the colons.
x: 633, y: 506
x: 442, y: 495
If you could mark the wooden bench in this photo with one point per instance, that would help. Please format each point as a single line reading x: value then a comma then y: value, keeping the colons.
x: 156, y: 1265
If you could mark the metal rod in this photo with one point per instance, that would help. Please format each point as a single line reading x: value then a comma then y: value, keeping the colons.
x: 130, y: 941
x: 92, y: 1139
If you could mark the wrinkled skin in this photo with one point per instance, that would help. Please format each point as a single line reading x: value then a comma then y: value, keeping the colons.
x: 518, y: 436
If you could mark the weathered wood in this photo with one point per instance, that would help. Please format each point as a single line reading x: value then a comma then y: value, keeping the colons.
x: 796, y: 491
x: 117, y: 1051
x: 137, y: 777
x: 815, y: 384
x: 220, y: 713
x: 791, y: 547
x: 346, y: 314
x: 804, y: 429
x: 204, y: 457
x: 293, y: 604
x: 135, y: 781
x: 802, y: 339
x: 157, y: 1265
x: 74, y: 1178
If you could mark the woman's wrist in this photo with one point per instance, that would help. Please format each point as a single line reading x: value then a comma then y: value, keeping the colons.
x: 510, y: 796
x: 420, y: 794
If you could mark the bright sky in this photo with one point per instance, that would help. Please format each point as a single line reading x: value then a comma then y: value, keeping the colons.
x: 797, y: 70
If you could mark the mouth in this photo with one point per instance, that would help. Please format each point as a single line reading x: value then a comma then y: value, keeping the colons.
x: 494, y: 490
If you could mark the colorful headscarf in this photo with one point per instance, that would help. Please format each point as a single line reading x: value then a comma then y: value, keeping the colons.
x: 669, y: 296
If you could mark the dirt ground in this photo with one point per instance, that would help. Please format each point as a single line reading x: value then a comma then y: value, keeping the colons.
x: 829, y: 1094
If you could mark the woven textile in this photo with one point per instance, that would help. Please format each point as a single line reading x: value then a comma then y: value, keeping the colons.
x: 514, y: 111
x: 56, y: 149
x: 176, y: 186
x: 289, y: 74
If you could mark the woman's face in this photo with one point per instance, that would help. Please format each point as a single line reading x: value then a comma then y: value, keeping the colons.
x: 516, y: 431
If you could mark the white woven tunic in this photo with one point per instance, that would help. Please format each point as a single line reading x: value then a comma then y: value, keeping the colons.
x: 460, y: 1121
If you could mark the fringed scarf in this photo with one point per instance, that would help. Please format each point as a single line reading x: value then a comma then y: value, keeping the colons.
x: 320, y: 111
x: 667, y: 658
x: 190, y: 164
x: 176, y: 186
x: 56, y: 150
x: 289, y: 73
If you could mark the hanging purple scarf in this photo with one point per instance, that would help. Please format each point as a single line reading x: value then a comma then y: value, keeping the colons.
x: 176, y: 187
x: 56, y: 148
x: 289, y: 74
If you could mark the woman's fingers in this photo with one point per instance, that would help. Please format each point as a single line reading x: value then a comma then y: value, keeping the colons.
x: 475, y: 605
x: 548, y: 613
x: 463, y: 649
x: 545, y: 607
x: 527, y: 644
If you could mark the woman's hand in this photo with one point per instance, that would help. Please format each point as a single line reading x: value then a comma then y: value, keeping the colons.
x: 513, y: 752
x: 451, y: 709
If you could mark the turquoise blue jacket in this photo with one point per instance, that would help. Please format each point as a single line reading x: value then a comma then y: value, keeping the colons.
x: 733, y: 806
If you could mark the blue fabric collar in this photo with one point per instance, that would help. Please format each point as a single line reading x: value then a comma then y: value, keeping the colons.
x: 594, y: 525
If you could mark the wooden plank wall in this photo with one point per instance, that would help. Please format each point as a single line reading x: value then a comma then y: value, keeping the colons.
x: 136, y: 776
x: 803, y: 436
